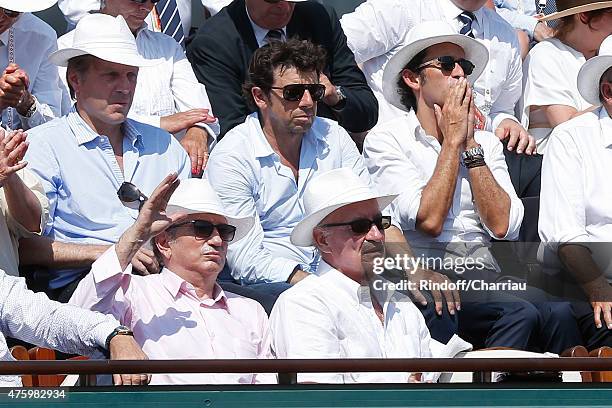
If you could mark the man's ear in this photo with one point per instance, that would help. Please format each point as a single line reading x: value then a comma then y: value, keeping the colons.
x: 605, y: 92
x: 320, y: 238
x: 260, y: 98
x: 162, y: 242
x: 411, y: 79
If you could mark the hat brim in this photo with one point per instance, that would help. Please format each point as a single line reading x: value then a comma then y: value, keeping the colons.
x: 61, y: 57
x: 243, y: 225
x: 302, y: 233
x: 474, y: 51
x: 589, y: 77
x: 575, y: 10
x: 27, y: 6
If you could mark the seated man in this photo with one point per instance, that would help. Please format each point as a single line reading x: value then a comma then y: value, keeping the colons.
x: 265, y: 164
x: 24, y: 208
x: 222, y: 48
x: 30, y: 88
x: 167, y: 95
x: 575, y: 214
x: 455, y: 191
x: 343, y: 313
x: 181, y: 313
x: 89, y: 159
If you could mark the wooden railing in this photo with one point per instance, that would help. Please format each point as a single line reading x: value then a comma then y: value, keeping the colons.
x: 288, y: 369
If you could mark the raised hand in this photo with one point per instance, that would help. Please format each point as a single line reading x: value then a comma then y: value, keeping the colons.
x: 13, y: 146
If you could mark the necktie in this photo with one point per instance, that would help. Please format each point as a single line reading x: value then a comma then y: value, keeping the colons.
x: 170, y: 20
x: 274, y: 35
x: 466, y: 18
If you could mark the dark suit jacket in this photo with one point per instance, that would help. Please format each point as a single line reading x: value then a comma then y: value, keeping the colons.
x: 221, y: 50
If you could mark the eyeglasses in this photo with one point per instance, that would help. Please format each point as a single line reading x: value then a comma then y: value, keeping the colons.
x: 10, y: 13
x: 129, y: 193
x: 447, y: 63
x: 295, y: 92
x: 144, y: 1
x: 362, y: 225
x: 203, y: 229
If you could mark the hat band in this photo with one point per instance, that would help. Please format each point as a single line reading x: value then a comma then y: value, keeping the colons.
x: 563, y: 5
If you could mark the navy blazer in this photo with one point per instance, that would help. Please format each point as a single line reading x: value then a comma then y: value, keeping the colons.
x: 221, y: 50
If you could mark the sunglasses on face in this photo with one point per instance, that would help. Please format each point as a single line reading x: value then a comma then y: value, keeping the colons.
x: 144, y: 1
x: 204, y: 229
x: 273, y: 1
x: 447, y: 64
x: 363, y: 225
x: 129, y: 193
x: 295, y: 92
x: 11, y: 13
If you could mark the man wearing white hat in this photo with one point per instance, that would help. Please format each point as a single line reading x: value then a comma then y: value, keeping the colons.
x: 455, y: 191
x: 85, y: 157
x: 575, y: 213
x: 167, y: 95
x: 181, y: 313
x: 342, y: 313
x: 30, y: 91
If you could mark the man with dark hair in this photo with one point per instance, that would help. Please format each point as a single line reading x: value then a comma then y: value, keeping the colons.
x: 84, y: 158
x: 455, y: 190
x: 222, y: 48
x: 265, y: 164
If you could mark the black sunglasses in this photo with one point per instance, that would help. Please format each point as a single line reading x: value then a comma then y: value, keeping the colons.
x: 203, y: 229
x: 363, y: 225
x: 295, y: 92
x: 144, y: 1
x: 11, y: 13
x: 129, y: 193
x: 447, y: 63
x: 273, y: 1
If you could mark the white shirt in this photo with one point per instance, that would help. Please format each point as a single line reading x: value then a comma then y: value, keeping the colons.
x: 162, y: 89
x: 35, y: 40
x: 377, y: 29
x: 543, y: 84
x: 518, y: 13
x: 576, y: 190
x: 332, y: 316
x: 11, y: 231
x: 74, y: 10
x: 34, y: 318
x: 401, y: 158
x: 261, y: 33
x: 250, y: 179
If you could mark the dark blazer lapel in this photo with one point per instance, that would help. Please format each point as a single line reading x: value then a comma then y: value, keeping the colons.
x: 237, y: 11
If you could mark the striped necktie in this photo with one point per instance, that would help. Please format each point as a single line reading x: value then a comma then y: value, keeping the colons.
x: 466, y: 18
x: 274, y: 35
x: 170, y: 20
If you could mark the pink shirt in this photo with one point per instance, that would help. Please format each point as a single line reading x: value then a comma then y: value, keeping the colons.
x: 171, y: 322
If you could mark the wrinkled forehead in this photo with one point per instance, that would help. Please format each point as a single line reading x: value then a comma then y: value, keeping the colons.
x: 442, y: 49
x: 361, y: 209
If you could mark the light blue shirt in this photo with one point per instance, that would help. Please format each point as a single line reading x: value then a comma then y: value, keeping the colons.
x: 518, y: 13
x: 250, y: 179
x: 81, y: 177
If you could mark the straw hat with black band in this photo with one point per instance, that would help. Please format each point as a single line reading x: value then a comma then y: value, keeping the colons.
x: 568, y: 7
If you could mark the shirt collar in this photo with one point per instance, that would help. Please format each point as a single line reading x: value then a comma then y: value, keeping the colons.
x: 4, y: 37
x: 261, y: 146
x: 451, y: 11
x: 176, y: 285
x: 85, y: 134
x: 606, y: 126
x: 260, y: 32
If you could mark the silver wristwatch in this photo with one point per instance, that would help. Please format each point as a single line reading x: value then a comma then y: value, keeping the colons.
x: 341, y: 98
x: 473, y: 153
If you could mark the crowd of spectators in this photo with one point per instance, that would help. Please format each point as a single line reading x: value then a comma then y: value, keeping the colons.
x: 227, y: 192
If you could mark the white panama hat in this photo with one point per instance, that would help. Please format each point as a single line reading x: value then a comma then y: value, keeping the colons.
x: 196, y: 196
x: 106, y: 37
x: 27, y: 6
x: 592, y: 70
x: 423, y: 36
x: 328, y: 192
